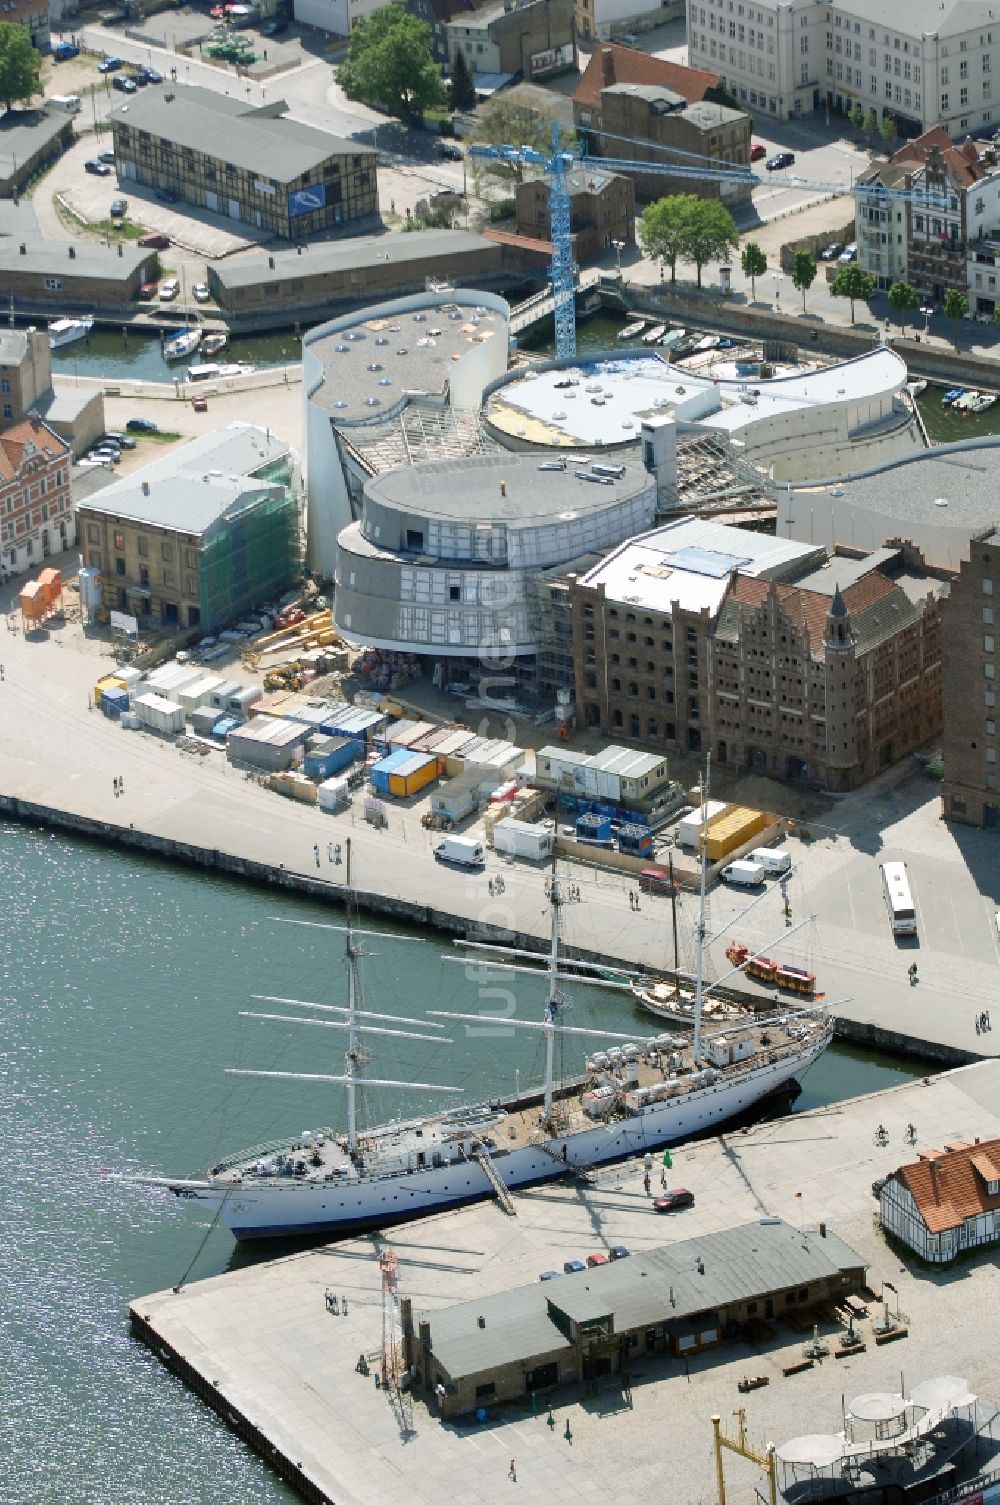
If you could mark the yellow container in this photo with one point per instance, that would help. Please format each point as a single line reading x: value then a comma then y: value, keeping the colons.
x: 733, y: 829
x: 404, y: 783
x: 107, y: 682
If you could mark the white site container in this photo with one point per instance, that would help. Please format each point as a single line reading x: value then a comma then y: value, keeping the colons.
x: 334, y: 794
x: 159, y: 714
x: 240, y: 702
x: 130, y: 676
x: 199, y: 693
x: 520, y: 838
x: 689, y: 825
x: 220, y: 696
x: 168, y: 679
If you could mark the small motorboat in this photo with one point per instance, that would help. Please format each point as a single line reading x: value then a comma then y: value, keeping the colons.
x: 211, y: 344
x: 66, y: 331
x: 671, y: 339
x: 982, y: 402
x: 631, y: 330
x: 964, y: 403
x: 953, y: 394
x: 652, y: 335
x: 182, y: 345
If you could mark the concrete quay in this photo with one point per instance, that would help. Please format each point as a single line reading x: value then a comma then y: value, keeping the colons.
x: 259, y: 1346
x: 58, y: 760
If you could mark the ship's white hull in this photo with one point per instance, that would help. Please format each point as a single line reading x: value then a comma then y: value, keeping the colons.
x: 68, y: 331
x: 277, y: 1208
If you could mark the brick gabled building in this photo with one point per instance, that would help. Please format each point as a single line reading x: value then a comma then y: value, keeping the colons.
x: 945, y: 1202
x: 36, y: 514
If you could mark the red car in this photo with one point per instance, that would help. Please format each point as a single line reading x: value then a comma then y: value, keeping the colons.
x: 672, y: 1200
x: 200, y: 403
x: 597, y: 1259
x: 146, y: 291
x: 757, y: 151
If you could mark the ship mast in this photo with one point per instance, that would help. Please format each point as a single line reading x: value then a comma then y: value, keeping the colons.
x: 554, y: 997
x: 351, y: 954
x: 701, y: 928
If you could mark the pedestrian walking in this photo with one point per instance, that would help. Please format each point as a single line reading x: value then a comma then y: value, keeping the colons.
x: 646, y: 1183
x: 121, y: 784
x: 115, y: 787
x: 328, y: 1296
x: 663, y: 1179
x: 343, y: 1306
x: 978, y: 1025
x: 329, y: 851
x: 1, y: 671
x: 512, y: 1471
x: 491, y: 888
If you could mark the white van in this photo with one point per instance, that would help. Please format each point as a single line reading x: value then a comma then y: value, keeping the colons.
x: 745, y: 873
x: 463, y: 851
x: 774, y: 860
x: 70, y: 104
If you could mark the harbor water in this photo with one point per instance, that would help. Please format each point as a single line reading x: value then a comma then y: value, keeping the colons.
x: 117, y: 355
x: 123, y: 982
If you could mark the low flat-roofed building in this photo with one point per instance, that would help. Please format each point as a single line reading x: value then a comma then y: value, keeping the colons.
x: 621, y: 774
x: 29, y: 140
x: 83, y: 276
x: 437, y: 562
x: 248, y: 162
x: 681, y: 1299
x: 946, y: 1202
x: 938, y: 500
x: 343, y: 272
x: 200, y: 535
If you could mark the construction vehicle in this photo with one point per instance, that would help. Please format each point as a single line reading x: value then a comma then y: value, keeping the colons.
x: 774, y: 974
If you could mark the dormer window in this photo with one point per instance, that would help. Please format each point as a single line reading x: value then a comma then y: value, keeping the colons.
x: 993, y: 1187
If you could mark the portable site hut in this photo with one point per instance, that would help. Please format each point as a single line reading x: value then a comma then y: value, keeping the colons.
x: 107, y: 682
x: 519, y: 838
x: 114, y: 701
x: 381, y: 770
x: 266, y: 742
x: 219, y: 697
x: 412, y: 775
x: 356, y: 721
x: 169, y: 679
x: 203, y: 719
x: 159, y: 714
x: 34, y: 604
x: 406, y: 733
x: 198, y: 693
x: 333, y: 794
x: 325, y: 756
x: 50, y: 581
x: 690, y: 826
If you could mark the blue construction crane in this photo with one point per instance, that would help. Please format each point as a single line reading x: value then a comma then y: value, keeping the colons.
x: 555, y: 165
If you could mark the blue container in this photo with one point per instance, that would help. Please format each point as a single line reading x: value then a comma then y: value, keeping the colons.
x: 113, y: 702
x: 593, y: 827
x: 635, y: 840
x: 382, y: 769
x: 330, y: 757
x: 225, y: 725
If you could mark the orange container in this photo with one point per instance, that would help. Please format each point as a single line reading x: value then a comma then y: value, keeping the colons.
x: 33, y: 602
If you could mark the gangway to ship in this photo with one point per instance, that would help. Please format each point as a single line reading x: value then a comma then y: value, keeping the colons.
x: 503, y: 1196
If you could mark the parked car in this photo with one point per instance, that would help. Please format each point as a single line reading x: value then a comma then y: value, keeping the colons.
x: 549, y: 1275
x: 165, y: 196
x: 449, y: 152
x: 593, y: 1260
x: 200, y: 402
x: 119, y: 208
x: 117, y: 437
x: 142, y: 426
x: 848, y: 254
x: 671, y: 1200
x: 92, y: 463
x: 657, y: 880
x: 99, y: 169
x: 573, y: 1267
x: 152, y: 75
x: 63, y: 51
x: 154, y: 241
x: 139, y: 79
x: 832, y: 251
x: 200, y: 292
x: 146, y: 292
x: 779, y: 160
x: 107, y: 156
x: 443, y: 195
x: 125, y: 85
x: 618, y: 1251
x: 169, y: 290
x: 110, y: 65
x: 757, y: 151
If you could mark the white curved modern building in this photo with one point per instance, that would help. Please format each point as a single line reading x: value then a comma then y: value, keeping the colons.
x: 439, y: 559
x: 800, y: 427
x: 384, y: 374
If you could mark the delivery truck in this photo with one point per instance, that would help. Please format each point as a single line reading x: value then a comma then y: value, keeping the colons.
x: 462, y: 851
x: 744, y: 873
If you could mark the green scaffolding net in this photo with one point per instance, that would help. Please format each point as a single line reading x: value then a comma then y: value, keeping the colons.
x: 248, y: 557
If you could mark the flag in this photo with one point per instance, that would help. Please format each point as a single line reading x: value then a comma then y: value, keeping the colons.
x: 667, y: 1160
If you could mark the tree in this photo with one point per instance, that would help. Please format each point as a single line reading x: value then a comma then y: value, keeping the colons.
x: 19, y: 64
x: 858, y: 116
x: 996, y: 313
x: 661, y: 229
x: 754, y: 264
x: 803, y: 274
x: 956, y: 304
x: 709, y: 233
x: 851, y: 282
x: 508, y: 121
x: 903, y: 299
x: 888, y: 129
x: 389, y: 63
x: 463, y: 90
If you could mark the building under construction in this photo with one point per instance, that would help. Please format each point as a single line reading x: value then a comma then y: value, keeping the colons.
x: 679, y: 1299
x: 201, y: 536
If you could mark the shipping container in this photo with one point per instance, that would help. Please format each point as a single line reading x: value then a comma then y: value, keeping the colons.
x: 198, y: 693
x: 381, y: 770
x: 266, y: 742
x: 518, y: 838
x: 334, y: 794
x: 734, y: 829
x: 219, y: 697
x: 635, y: 840
x: 159, y: 714
x: 114, y: 701
x: 107, y: 682
x: 593, y: 828
x: 689, y: 826
x: 203, y: 719
x: 130, y: 677
x: 325, y: 756
x: 409, y: 777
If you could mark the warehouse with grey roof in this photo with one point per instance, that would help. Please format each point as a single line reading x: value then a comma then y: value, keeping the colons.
x: 249, y: 163
x: 678, y: 1299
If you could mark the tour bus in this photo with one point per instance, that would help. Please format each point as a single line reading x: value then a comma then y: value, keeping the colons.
x: 898, y: 899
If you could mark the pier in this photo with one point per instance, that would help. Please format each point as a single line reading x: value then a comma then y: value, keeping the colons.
x: 260, y: 1346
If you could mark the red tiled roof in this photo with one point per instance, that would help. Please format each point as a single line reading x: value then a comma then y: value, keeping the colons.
x: 14, y: 440
x: 950, y: 1186
x: 809, y: 609
x: 634, y: 67
x: 962, y: 162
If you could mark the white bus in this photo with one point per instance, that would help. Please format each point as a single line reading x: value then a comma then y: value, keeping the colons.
x: 898, y: 899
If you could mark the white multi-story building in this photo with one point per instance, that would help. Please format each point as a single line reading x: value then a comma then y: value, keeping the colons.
x: 923, y: 63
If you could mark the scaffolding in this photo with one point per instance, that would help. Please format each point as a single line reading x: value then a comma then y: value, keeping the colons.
x: 248, y: 556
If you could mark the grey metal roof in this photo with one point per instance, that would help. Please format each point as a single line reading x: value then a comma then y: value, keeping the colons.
x: 942, y: 18
x: 913, y: 489
x: 23, y: 133
x: 840, y: 571
x: 90, y: 258
x: 667, y: 1284
x: 259, y: 140
x: 705, y: 114
x: 191, y: 488
x: 532, y: 495
x: 326, y: 257
x: 13, y: 346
